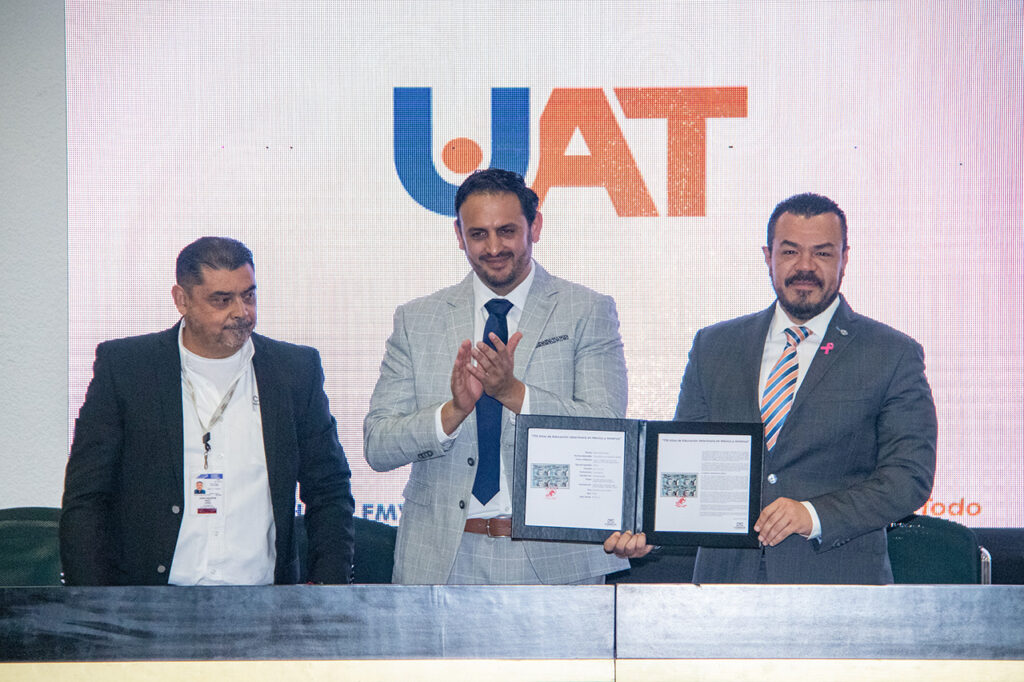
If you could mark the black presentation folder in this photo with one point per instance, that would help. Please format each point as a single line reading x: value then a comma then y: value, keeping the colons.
x: 682, y: 483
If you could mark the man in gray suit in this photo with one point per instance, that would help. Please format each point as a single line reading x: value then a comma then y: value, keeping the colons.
x: 447, y: 405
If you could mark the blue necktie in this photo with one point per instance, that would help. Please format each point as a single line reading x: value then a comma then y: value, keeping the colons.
x: 488, y: 413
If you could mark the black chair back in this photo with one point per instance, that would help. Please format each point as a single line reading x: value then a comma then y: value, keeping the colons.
x: 374, y: 556
x: 29, y: 547
x: 930, y: 550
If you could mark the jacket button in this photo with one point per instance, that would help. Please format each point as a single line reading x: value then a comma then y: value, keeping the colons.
x: 161, y: 569
x: 470, y: 461
x: 462, y: 504
x: 175, y: 509
x: 772, y: 478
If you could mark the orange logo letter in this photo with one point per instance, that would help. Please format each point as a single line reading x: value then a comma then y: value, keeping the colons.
x: 610, y: 163
x: 685, y: 109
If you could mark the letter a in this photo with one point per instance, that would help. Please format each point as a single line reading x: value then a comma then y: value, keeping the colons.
x: 610, y: 163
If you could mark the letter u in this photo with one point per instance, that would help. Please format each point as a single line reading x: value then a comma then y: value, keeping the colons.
x: 414, y: 161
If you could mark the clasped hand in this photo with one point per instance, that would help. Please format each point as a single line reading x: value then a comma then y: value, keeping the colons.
x: 492, y: 374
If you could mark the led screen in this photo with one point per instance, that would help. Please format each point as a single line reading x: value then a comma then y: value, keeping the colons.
x: 329, y: 137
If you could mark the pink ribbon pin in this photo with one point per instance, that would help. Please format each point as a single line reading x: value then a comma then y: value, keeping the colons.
x: 827, y: 347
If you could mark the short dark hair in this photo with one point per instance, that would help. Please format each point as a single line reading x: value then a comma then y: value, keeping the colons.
x: 498, y: 181
x: 217, y: 253
x: 806, y: 205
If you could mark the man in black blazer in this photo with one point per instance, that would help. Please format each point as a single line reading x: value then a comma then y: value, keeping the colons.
x: 205, y: 401
x: 849, y: 420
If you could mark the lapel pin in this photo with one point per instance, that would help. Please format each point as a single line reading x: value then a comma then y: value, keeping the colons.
x: 827, y: 347
x: 842, y: 331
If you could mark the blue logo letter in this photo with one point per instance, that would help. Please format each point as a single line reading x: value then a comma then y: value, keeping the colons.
x: 414, y: 161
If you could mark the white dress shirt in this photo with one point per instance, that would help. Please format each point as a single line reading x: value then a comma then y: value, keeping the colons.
x: 501, y: 503
x: 235, y: 546
x: 806, y: 351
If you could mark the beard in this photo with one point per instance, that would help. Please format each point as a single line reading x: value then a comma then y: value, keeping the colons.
x: 804, y: 305
x: 221, y: 341
x: 497, y: 281
x: 236, y: 335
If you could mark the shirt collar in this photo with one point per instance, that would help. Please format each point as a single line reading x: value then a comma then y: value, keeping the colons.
x: 817, y: 324
x: 482, y: 293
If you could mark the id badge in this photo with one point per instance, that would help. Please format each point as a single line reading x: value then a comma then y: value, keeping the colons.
x: 208, y: 492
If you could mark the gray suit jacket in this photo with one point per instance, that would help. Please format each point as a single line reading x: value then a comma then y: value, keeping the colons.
x: 570, y: 357
x: 859, y: 443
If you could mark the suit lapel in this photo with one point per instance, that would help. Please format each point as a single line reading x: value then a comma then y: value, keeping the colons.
x: 273, y: 405
x: 458, y: 326
x: 752, y: 343
x: 539, y: 304
x: 461, y: 317
x: 842, y: 328
x: 167, y: 367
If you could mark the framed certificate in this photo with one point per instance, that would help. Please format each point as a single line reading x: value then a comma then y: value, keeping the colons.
x: 702, y: 483
x: 579, y: 479
x: 574, y: 478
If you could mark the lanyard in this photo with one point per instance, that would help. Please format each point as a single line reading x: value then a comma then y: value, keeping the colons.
x: 217, y: 413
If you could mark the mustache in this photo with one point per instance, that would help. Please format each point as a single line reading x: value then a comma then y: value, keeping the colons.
x: 240, y: 326
x: 803, y: 276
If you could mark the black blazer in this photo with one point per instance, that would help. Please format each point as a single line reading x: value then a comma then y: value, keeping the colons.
x: 123, y: 488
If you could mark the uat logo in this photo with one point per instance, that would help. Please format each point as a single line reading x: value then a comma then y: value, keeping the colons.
x: 569, y: 112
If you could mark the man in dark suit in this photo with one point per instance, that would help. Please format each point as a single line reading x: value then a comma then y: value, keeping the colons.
x: 205, y: 402
x: 849, y: 419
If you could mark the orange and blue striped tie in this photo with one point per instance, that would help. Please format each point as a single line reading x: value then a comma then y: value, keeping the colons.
x: 781, y: 387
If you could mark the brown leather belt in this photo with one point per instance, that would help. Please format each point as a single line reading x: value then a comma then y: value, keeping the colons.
x: 498, y: 527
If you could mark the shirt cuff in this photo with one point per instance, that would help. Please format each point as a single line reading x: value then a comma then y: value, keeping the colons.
x: 443, y: 438
x: 815, y: 521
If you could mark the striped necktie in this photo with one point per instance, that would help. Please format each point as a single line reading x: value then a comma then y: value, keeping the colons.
x: 781, y: 387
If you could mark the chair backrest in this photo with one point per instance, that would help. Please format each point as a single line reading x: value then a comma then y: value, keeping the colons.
x: 374, y: 557
x: 930, y: 550
x: 29, y: 547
